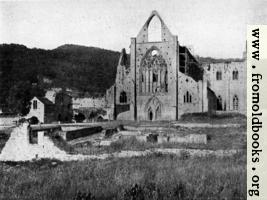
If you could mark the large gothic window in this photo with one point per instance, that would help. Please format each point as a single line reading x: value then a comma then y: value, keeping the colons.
x: 154, y: 30
x: 153, y: 73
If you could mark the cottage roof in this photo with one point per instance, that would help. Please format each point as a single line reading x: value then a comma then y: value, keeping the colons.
x: 45, y: 101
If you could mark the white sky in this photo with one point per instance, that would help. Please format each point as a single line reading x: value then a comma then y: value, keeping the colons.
x: 215, y: 28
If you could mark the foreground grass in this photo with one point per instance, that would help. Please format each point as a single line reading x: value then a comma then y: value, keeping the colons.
x: 156, y: 176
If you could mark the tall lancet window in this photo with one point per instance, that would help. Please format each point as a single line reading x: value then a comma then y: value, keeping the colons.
x: 235, y: 103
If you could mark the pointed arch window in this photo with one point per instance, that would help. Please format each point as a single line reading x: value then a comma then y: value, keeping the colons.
x: 187, y: 97
x: 235, y: 75
x: 235, y: 102
x: 218, y: 75
x: 123, y: 97
x: 153, y: 72
x: 154, y: 29
x: 219, y: 102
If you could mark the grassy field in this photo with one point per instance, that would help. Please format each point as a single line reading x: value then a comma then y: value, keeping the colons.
x: 156, y: 176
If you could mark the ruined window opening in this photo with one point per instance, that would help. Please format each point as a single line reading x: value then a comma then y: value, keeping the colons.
x: 34, y: 104
x: 59, y: 118
x: 219, y: 103
x: 235, y: 103
x: 235, y: 75
x: 123, y: 97
x: 155, y: 52
x: 154, y: 30
x: 187, y: 97
x: 219, y: 75
x: 154, y: 71
x: 155, y: 77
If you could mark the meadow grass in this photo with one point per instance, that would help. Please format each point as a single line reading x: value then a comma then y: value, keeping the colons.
x: 157, y: 176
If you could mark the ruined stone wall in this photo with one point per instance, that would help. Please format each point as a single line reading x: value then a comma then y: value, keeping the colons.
x: 229, y: 86
x: 88, y: 103
x: 123, y: 84
x: 153, y: 104
x: 190, y: 98
x: 8, y: 120
x: 153, y: 84
x: 109, y: 99
x: 63, y: 107
x: 19, y: 148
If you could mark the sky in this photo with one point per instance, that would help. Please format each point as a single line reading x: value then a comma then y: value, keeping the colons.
x: 215, y: 28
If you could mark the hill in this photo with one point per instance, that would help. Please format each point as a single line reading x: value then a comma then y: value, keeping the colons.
x: 27, y: 72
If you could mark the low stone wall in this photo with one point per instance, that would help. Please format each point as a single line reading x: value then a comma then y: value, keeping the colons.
x: 74, y: 134
x: 192, y: 138
x: 8, y: 120
x: 18, y: 147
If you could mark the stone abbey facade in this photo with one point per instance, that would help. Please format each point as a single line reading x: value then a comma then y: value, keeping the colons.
x: 228, y: 81
x: 164, y: 80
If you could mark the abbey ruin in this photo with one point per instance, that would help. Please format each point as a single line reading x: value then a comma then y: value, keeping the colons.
x: 164, y: 81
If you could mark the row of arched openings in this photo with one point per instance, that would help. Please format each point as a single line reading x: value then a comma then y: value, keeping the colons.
x: 235, y: 103
x: 234, y: 75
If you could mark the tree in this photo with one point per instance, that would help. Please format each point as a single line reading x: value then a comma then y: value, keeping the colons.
x: 79, y: 118
x: 20, y: 95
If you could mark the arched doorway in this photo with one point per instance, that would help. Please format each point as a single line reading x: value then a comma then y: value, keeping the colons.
x: 150, y: 114
x: 153, y: 109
